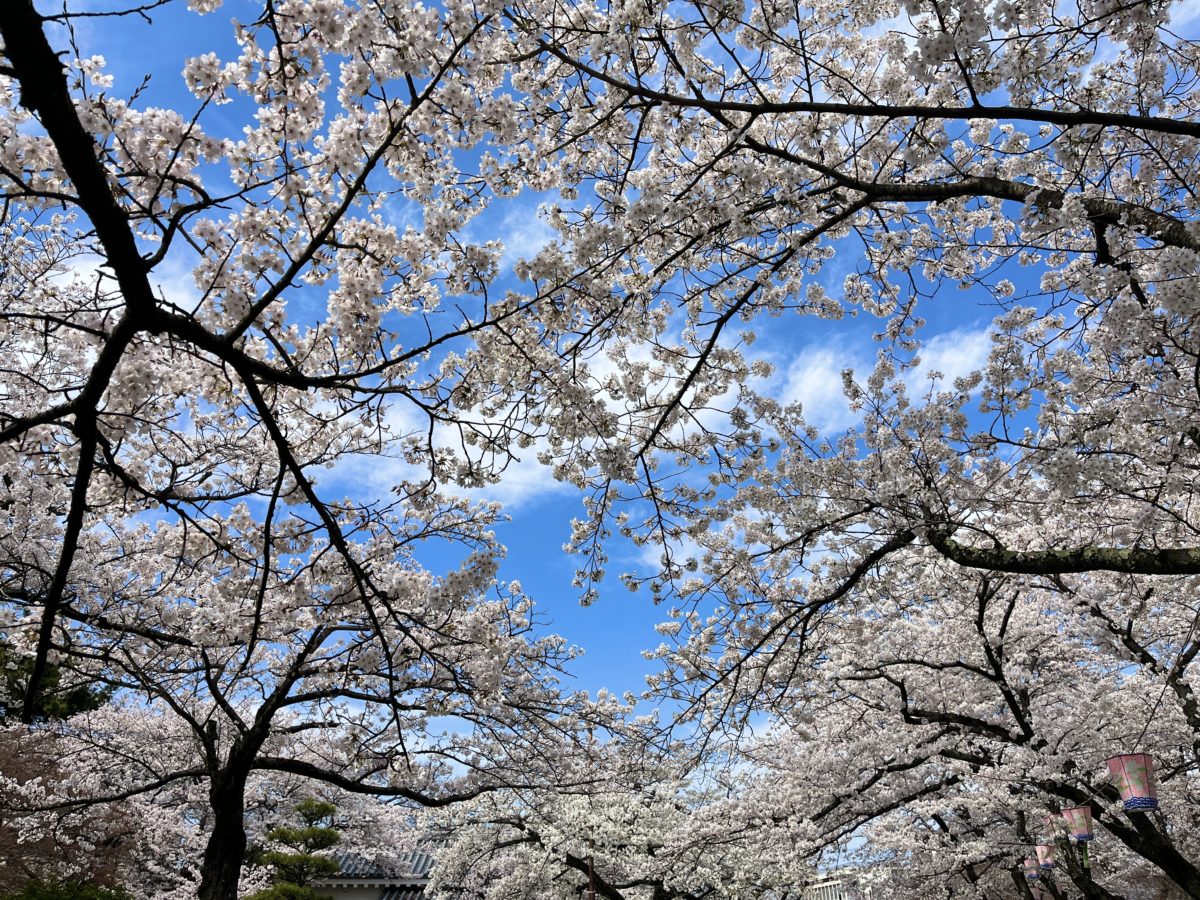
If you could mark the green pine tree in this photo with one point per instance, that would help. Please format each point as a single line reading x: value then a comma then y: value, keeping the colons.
x: 53, y: 701
x: 297, y: 867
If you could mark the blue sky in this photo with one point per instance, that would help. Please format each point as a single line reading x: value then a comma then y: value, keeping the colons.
x: 809, y: 355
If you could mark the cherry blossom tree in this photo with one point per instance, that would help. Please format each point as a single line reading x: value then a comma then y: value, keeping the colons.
x: 166, y: 827
x: 401, y: 708
x: 165, y: 531
x: 623, y: 818
x: 937, y: 751
x: 922, y: 740
x: 731, y: 153
x: 1039, y: 156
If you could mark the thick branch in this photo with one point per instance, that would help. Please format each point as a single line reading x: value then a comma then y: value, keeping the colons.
x: 1062, y: 117
x: 44, y: 92
x: 360, y: 785
x: 1131, y: 560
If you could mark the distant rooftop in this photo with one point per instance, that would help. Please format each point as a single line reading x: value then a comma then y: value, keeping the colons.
x: 408, y: 866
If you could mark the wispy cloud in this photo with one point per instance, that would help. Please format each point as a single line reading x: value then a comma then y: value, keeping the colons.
x: 953, y: 354
x: 1185, y: 13
x: 366, y: 477
x: 524, y: 483
x: 523, y: 233
x: 814, y: 380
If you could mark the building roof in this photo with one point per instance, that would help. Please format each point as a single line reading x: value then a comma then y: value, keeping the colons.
x: 413, y: 865
x: 407, y: 892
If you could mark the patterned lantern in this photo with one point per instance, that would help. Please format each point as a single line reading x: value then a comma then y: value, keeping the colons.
x: 1079, y: 821
x: 1031, y: 868
x: 1134, y: 776
x: 1045, y: 856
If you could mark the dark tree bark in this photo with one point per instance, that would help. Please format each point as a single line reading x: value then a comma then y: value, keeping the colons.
x: 222, y: 866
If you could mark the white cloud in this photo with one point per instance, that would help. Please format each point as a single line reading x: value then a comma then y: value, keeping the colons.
x: 1185, y: 13
x: 368, y: 477
x: 953, y: 354
x: 814, y: 380
x: 523, y: 234
x: 173, y: 280
x: 814, y: 377
x: 515, y: 223
x: 364, y: 477
x: 649, y: 556
x: 524, y: 482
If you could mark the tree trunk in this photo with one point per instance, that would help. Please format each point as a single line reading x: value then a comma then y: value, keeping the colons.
x: 226, y: 848
x: 1072, y: 862
x: 1159, y: 850
x: 1137, y: 832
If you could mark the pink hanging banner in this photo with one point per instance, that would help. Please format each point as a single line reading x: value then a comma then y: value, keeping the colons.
x: 1045, y: 856
x: 1031, y: 868
x: 1133, y: 774
x: 1079, y: 822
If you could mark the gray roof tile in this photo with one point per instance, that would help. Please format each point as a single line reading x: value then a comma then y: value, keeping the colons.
x: 408, y: 892
x: 415, y: 864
